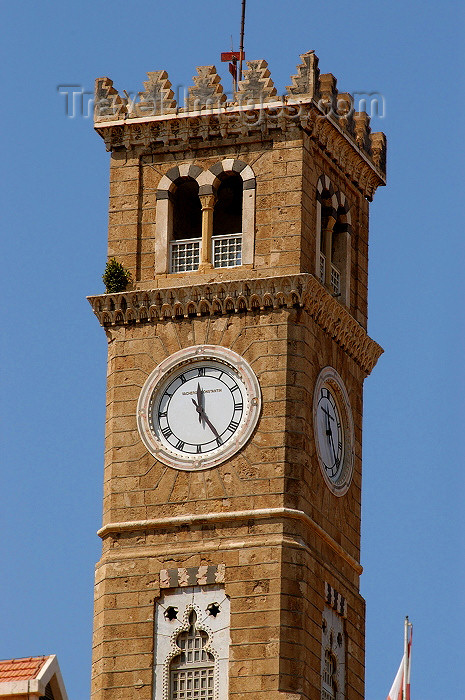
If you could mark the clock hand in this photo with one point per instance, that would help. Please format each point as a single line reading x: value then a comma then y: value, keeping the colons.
x: 332, y: 445
x: 208, y: 422
x: 200, y: 397
x: 198, y: 408
x: 203, y: 416
x: 328, y: 427
x: 327, y: 413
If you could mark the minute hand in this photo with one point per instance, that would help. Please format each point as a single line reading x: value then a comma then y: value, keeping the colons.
x: 203, y: 416
x: 212, y: 427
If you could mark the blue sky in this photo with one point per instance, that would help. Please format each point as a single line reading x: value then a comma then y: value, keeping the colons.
x: 53, y: 352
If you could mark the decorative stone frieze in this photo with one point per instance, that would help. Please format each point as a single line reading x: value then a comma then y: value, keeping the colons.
x: 194, y: 576
x: 335, y: 600
x: 184, y: 131
x: 242, y: 296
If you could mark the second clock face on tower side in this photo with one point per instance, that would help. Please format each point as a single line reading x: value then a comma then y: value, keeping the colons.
x: 198, y: 407
x: 333, y: 430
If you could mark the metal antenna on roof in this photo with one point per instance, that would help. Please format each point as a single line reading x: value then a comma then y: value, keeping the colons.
x: 235, y: 56
x: 241, y: 47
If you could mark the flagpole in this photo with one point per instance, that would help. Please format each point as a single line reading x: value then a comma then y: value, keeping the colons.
x: 404, y: 684
x: 241, y: 47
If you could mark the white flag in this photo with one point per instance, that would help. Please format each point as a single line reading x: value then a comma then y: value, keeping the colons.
x: 397, y: 689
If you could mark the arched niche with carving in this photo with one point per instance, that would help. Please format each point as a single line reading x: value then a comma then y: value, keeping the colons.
x: 333, y: 656
x: 192, y: 619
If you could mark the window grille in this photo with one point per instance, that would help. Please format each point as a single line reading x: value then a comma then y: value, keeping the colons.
x: 326, y: 696
x: 192, y: 685
x: 322, y: 267
x: 185, y: 255
x: 227, y: 251
x: 335, y: 280
x: 192, y: 670
x: 335, y: 275
x: 328, y: 689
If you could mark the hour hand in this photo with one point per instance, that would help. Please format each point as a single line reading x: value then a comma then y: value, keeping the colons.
x: 199, y: 409
x: 328, y: 427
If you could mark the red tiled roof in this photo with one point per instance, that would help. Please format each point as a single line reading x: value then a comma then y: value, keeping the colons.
x: 21, y: 669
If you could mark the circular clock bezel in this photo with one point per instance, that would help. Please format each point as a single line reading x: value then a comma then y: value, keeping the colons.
x: 329, y: 379
x: 161, y: 377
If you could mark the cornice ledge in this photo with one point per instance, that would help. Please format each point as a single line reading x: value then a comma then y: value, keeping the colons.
x: 242, y: 296
x: 257, y: 514
x: 165, y: 132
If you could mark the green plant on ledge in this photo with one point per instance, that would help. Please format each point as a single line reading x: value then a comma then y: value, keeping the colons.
x: 116, y: 277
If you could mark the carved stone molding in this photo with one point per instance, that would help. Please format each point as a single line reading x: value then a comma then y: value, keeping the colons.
x: 273, y: 120
x: 193, y: 576
x: 242, y: 296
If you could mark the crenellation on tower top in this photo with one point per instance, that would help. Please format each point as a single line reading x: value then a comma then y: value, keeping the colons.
x: 158, y: 97
x: 207, y: 91
x: 255, y: 109
x: 108, y: 104
x: 257, y: 85
x: 362, y: 130
x: 345, y: 110
x: 306, y: 82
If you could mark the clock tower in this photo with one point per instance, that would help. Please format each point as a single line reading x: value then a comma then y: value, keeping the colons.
x: 236, y: 359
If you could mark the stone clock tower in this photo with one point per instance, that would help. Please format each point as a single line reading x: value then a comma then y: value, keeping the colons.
x: 231, y: 516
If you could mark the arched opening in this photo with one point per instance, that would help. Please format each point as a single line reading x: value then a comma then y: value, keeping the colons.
x: 328, y: 685
x: 187, y: 226
x: 192, y: 670
x: 327, y: 218
x: 339, y: 252
x: 333, y: 262
x: 227, y: 215
x: 227, y: 222
x: 187, y: 210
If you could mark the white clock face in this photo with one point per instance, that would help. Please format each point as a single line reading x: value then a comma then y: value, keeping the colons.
x: 333, y: 429
x: 198, y: 407
x: 330, y: 434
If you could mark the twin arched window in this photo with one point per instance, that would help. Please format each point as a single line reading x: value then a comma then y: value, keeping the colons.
x: 333, y: 240
x: 205, y: 219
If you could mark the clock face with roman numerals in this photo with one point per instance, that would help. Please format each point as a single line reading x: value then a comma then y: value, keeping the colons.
x: 333, y: 429
x: 198, y: 407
